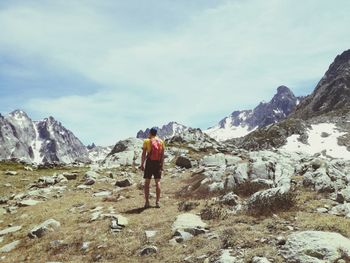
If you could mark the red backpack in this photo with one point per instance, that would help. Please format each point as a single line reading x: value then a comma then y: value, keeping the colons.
x: 156, y: 149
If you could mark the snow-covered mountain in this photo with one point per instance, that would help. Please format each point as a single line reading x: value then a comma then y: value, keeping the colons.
x: 166, y: 131
x: 240, y: 123
x: 98, y: 153
x: 42, y: 141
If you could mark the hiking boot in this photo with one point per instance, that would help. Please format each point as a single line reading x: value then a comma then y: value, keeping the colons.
x: 157, y: 205
x: 146, y: 206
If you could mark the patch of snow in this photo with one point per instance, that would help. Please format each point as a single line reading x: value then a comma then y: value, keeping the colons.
x: 222, y: 134
x: 36, y: 146
x: 317, y: 143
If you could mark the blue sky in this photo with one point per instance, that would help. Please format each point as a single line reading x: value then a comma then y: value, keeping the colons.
x: 106, y: 69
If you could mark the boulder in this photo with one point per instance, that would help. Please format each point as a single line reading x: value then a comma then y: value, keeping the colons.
x: 147, y: 250
x: 270, y: 200
x: 319, y: 180
x: 316, y: 247
x: 43, y: 228
x: 214, y: 160
x: 184, y: 162
x: 124, y: 182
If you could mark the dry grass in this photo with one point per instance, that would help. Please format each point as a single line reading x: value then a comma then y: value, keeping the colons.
x: 252, y: 234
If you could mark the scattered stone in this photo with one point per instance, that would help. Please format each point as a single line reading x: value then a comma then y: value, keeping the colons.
x: 10, y: 230
x: 95, y: 216
x: 10, y: 173
x: 181, y: 236
x: 315, y: 246
x: 322, y: 210
x: 9, y: 247
x: 85, y: 246
x: 102, y: 194
x: 147, y: 250
x: 28, y: 168
x: 83, y: 187
x: 281, y: 240
x: 188, y: 221
x: 260, y: 260
x: 227, y: 258
x: 90, y: 181
x: 150, y: 234
x: 123, y: 183
x: 43, y: 228
x: 341, y: 210
x: 28, y: 202
x: 184, y: 162
x: 122, y: 220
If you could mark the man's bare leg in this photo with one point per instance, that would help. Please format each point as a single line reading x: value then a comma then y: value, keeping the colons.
x: 146, y: 189
x: 157, y: 190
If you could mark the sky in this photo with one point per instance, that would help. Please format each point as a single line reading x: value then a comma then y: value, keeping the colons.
x: 108, y: 68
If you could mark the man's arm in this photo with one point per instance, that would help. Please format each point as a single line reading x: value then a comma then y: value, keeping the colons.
x: 143, y: 159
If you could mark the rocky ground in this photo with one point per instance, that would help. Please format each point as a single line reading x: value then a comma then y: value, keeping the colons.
x: 219, y: 204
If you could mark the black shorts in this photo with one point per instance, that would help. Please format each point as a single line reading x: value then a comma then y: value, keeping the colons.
x: 152, y: 168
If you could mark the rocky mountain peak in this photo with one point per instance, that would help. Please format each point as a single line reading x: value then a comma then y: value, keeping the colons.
x: 166, y: 131
x: 332, y: 93
x: 240, y: 123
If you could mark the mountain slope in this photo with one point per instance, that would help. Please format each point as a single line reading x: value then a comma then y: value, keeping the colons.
x: 240, y: 123
x: 166, y: 131
x: 319, y: 125
x: 42, y: 141
x: 331, y: 93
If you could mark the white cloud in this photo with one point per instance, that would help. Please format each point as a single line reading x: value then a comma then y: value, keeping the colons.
x: 208, y: 63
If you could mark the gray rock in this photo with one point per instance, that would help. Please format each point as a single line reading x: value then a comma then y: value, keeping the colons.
x: 341, y: 210
x: 43, y: 228
x: 214, y: 160
x: 241, y: 173
x: 10, y: 230
x: 184, y: 162
x: 344, y: 195
x: 181, y: 236
x: 9, y: 247
x: 102, y: 194
x: 28, y: 202
x: 226, y: 257
x: 271, y: 199
x: 150, y: 234
x: 147, y: 250
x: 124, y: 182
x: 187, y: 221
x: 315, y: 247
x: 319, y: 180
x: 11, y: 173
x: 260, y: 260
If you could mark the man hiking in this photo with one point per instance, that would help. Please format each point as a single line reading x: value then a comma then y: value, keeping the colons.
x: 153, y: 154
